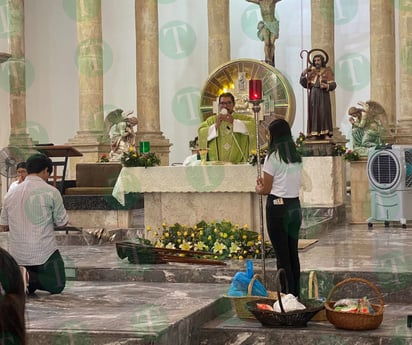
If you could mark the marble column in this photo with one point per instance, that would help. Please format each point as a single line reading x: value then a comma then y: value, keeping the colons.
x: 382, y: 51
x: 218, y: 33
x: 19, y: 136
x: 404, y: 124
x: 147, y: 78
x: 90, y: 65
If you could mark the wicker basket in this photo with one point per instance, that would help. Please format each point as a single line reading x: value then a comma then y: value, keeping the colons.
x: 239, y: 303
x: 355, y: 321
x: 313, y: 294
x: 296, y: 318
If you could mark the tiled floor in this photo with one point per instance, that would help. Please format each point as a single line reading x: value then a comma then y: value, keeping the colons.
x: 109, y: 301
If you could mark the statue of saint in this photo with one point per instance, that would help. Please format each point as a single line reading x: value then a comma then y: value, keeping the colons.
x: 120, y: 128
x: 268, y: 28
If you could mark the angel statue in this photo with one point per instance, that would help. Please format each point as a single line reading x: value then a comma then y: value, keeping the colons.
x: 120, y: 128
x: 368, y: 125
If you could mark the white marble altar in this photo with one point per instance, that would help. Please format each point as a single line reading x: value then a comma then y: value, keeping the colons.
x: 188, y: 195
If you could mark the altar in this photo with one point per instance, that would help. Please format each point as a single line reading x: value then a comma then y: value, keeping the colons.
x: 187, y: 195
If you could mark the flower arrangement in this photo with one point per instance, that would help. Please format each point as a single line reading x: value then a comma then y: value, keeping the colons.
x: 339, y: 150
x: 300, y: 143
x: 131, y: 158
x: 223, y: 239
x: 253, y: 157
x: 351, y: 155
x: 104, y: 158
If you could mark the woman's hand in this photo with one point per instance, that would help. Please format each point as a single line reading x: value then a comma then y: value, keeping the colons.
x: 259, y: 185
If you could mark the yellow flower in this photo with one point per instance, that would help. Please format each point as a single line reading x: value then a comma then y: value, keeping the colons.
x: 131, y: 149
x: 159, y: 244
x: 167, y: 234
x: 201, y: 232
x: 253, y: 152
x: 186, y: 245
x: 170, y: 245
x: 234, y: 248
x: 155, y: 234
x: 209, y: 238
x: 185, y: 233
x: 245, y: 227
x: 244, y: 237
x: 199, y: 246
x: 240, y: 257
x: 149, y: 228
x: 219, y: 247
x: 179, y: 240
x: 164, y: 224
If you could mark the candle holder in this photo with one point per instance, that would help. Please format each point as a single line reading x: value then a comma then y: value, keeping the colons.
x: 255, y: 97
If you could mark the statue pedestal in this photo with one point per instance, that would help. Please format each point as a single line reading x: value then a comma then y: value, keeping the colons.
x: 360, y: 196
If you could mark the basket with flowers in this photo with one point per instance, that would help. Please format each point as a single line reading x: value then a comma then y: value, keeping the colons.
x: 131, y: 158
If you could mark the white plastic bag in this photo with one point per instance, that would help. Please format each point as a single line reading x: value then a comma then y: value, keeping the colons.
x: 289, y: 302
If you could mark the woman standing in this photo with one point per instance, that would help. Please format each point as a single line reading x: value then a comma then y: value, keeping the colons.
x: 281, y: 181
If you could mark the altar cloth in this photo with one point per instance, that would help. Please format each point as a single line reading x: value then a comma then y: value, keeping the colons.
x: 181, y: 179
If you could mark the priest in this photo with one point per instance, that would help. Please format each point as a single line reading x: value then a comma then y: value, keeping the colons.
x: 229, y: 137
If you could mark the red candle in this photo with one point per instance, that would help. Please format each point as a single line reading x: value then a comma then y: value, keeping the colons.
x: 255, y: 89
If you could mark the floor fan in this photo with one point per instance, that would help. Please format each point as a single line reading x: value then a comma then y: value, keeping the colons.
x: 9, y: 158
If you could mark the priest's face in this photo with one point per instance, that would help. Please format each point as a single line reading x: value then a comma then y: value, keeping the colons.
x: 227, y: 103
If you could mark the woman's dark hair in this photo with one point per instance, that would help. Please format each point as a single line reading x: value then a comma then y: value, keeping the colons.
x: 21, y: 165
x: 12, y: 301
x: 281, y: 142
x: 38, y: 162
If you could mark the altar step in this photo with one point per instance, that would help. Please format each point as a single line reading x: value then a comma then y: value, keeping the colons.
x: 108, y: 301
x: 229, y: 329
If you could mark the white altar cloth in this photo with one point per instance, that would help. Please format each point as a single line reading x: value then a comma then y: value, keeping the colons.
x: 180, y: 179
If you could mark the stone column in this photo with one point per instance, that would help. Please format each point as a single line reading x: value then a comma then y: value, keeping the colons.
x: 218, y: 33
x: 19, y: 136
x: 382, y: 48
x: 90, y: 61
x: 323, y: 37
x: 147, y: 78
x: 404, y: 125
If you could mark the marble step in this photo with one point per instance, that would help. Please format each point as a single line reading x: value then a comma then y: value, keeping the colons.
x: 102, y: 313
x: 228, y: 329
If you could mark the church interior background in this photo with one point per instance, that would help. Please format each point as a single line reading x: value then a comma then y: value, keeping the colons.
x: 52, y: 107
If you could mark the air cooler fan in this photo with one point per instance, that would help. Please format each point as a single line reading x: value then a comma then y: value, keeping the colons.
x: 9, y: 158
x: 389, y: 171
